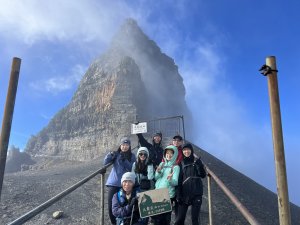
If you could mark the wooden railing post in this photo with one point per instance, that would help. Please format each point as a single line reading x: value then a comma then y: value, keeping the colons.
x: 8, y: 115
x: 270, y: 71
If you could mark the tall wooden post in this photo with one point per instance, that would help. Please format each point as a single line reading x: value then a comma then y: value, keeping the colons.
x: 281, y: 177
x: 8, y: 115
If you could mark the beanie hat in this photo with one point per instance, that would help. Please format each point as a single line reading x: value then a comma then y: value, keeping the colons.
x: 125, y: 140
x: 142, y: 149
x: 128, y: 176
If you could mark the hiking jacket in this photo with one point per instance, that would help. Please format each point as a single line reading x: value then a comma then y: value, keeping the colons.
x: 180, y: 155
x: 122, y: 210
x: 168, y: 167
x: 189, y: 181
x: 121, y: 165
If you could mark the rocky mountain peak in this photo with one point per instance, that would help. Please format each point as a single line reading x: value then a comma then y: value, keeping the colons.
x: 132, y: 78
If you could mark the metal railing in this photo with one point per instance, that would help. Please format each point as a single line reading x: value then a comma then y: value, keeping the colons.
x: 56, y: 198
x: 59, y: 196
x: 169, y: 126
x: 241, y: 208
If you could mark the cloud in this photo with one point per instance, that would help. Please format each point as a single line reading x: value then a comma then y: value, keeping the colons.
x: 32, y: 20
x: 223, y: 126
x: 59, y: 84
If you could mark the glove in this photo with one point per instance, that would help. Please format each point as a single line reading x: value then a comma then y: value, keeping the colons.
x: 133, y: 201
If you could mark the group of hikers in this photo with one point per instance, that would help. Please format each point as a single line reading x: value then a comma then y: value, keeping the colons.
x: 174, y: 167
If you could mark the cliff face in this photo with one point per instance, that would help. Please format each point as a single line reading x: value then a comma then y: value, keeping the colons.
x: 133, y: 78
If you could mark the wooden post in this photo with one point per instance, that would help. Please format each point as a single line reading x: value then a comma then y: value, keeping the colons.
x: 281, y: 177
x: 209, y: 200
x: 8, y: 115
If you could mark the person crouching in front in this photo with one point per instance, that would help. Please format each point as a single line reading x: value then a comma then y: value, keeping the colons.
x: 125, y: 202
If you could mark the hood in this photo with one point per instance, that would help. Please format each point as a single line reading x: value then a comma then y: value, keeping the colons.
x: 142, y: 149
x: 188, y: 145
x: 157, y: 134
x: 191, y: 157
x: 175, y: 150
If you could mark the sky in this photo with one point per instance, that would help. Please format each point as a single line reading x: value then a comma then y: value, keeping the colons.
x: 218, y: 47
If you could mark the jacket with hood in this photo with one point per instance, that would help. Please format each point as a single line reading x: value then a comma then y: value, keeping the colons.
x: 143, y: 171
x: 168, y: 167
x: 122, y: 163
x: 122, y: 210
x: 155, y: 150
x: 189, y: 181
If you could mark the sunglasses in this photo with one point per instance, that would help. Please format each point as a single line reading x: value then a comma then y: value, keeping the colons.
x: 142, y: 154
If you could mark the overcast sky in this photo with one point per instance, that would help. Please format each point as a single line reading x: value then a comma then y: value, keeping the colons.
x: 218, y: 46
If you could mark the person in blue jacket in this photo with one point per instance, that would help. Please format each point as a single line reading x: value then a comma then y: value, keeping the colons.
x: 123, y: 160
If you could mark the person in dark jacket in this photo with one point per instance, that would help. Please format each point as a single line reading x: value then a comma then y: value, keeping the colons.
x: 125, y: 202
x: 190, y: 187
x: 123, y: 160
x: 155, y: 149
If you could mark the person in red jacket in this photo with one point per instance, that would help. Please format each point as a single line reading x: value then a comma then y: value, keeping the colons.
x: 178, y: 141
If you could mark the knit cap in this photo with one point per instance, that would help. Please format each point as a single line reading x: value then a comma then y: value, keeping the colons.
x: 142, y: 149
x: 128, y: 176
x: 125, y: 140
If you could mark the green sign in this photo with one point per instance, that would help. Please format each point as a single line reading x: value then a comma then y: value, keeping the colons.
x: 154, y: 202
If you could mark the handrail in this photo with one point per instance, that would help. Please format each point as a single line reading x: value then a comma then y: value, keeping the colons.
x: 248, y: 216
x: 51, y: 201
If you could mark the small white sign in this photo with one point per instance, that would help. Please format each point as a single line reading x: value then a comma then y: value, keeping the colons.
x: 139, y: 128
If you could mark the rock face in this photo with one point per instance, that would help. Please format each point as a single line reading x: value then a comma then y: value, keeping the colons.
x: 133, y: 78
x: 17, y: 160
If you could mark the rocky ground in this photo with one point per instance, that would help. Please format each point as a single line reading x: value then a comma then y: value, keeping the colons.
x: 23, y: 191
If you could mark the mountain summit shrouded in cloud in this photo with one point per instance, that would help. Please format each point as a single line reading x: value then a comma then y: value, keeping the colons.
x: 133, y: 78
